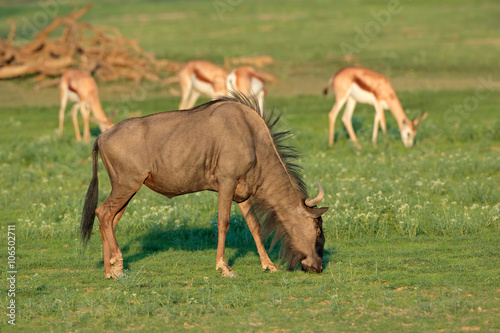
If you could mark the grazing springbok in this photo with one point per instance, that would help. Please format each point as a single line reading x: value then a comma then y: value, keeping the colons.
x: 359, y: 84
x: 200, y: 77
x: 81, y: 88
x: 223, y: 146
x: 249, y: 81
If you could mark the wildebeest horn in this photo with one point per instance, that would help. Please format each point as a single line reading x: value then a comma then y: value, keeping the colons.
x: 313, y: 202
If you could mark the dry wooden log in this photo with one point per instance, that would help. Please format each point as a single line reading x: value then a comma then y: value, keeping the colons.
x: 258, y: 61
x: 59, y: 20
x: 17, y: 70
x: 102, y: 51
x: 49, y: 67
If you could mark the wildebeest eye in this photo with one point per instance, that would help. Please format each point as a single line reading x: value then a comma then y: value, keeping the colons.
x: 318, y: 232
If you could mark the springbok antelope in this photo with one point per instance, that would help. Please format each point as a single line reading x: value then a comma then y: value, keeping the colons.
x: 223, y: 146
x: 359, y: 84
x: 249, y: 81
x: 200, y: 77
x: 81, y: 88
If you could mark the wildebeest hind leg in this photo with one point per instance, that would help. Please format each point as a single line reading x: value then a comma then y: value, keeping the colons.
x: 224, y: 211
x: 109, y: 213
x: 254, y: 226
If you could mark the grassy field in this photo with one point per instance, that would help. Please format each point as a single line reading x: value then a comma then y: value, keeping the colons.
x: 412, y: 234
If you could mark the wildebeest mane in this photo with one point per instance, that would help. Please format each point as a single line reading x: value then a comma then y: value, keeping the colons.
x: 270, y: 223
x: 287, y: 153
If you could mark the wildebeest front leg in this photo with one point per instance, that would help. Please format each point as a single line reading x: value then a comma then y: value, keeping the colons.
x: 224, y: 208
x: 254, y: 226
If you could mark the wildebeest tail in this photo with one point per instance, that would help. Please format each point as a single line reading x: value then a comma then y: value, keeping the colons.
x: 88, y: 213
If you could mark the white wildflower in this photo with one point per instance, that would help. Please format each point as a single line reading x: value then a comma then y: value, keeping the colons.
x: 403, y: 207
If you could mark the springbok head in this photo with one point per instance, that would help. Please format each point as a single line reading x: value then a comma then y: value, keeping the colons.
x: 409, y: 130
x: 105, y: 123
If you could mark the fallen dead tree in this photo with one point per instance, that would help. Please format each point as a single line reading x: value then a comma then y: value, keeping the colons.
x: 258, y: 61
x: 102, y: 51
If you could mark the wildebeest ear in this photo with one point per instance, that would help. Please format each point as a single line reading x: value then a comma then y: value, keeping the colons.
x: 316, y: 212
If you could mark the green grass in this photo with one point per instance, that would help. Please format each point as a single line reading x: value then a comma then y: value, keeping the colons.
x: 412, y: 234
x: 374, y: 284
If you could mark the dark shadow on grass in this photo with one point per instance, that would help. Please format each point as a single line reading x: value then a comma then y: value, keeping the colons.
x: 184, y: 238
x: 362, y: 128
x: 94, y: 131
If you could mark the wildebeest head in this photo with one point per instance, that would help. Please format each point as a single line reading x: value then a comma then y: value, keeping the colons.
x: 312, y: 242
x: 300, y: 230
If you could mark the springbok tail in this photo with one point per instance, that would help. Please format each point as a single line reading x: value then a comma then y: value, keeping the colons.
x: 266, y: 77
x: 325, y: 91
x: 90, y: 205
x: 169, y: 80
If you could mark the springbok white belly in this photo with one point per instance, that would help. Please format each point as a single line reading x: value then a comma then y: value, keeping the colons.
x: 256, y: 86
x: 366, y: 97
x: 231, y: 82
x: 202, y: 87
x: 73, y: 97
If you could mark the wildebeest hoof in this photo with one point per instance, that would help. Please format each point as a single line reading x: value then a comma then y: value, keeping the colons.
x: 116, y: 268
x: 116, y: 274
x: 271, y: 267
x: 228, y: 273
x: 224, y: 267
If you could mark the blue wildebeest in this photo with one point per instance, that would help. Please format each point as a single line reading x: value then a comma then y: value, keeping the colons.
x: 223, y: 146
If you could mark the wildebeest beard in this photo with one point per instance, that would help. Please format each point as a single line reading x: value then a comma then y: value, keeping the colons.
x: 270, y: 222
x: 271, y: 225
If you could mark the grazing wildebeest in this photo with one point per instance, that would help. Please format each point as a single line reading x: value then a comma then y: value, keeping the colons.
x: 223, y: 146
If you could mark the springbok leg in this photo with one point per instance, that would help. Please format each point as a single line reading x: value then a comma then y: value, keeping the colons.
x: 74, y: 117
x: 64, y: 102
x: 192, y: 99
x: 332, y: 116
x: 86, y: 122
x: 254, y: 226
x: 347, y: 120
x: 379, y: 120
x: 186, y: 87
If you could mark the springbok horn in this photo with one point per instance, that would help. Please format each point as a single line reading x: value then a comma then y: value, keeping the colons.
x: 313, y: 202
x: 417, y: 121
